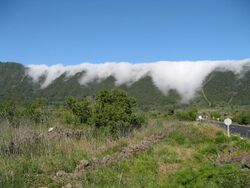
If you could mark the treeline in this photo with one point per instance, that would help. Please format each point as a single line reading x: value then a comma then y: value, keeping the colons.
x: 14, y: 114
x: 242, y: 118
x: 110, y: 111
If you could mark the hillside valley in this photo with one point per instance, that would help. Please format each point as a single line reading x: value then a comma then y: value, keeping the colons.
x: 219, y: 88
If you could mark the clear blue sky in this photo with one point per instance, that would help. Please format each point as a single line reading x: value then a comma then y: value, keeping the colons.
x: 75, y: 31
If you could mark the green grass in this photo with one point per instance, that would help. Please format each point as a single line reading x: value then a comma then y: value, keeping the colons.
x: 185, y: 158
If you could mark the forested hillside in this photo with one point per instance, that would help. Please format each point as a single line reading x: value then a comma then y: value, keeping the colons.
x: 219, y: 88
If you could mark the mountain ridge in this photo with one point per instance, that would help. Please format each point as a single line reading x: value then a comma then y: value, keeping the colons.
x: 219, y: 87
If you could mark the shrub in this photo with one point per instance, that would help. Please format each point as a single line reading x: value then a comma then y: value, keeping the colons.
x: 9, y: 112
x: 70, y: 118
x: 114, y: 110
x: 215, y: 114
x: 221, y: 137
x: 189, y: 115
x: 180, y: 139
x: 242, y: 118
x: 228, y: 176
x: 210, y: 149
x: 79, y: 108
x: 33, y: 111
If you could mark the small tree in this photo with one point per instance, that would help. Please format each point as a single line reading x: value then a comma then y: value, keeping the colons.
x: 114, y: 110
x: 189, y: 115
x: 33, y: 111
x: 242, y: 118
x: 8, y: 112
x: 80, y: 108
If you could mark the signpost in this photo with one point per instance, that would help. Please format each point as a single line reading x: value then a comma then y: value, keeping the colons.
x: 200, y: 118
x: 228, y: 122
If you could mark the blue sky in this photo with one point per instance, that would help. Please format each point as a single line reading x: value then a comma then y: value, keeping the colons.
x: 71, y: 32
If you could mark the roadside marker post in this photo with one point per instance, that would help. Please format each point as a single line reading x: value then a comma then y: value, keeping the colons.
x: 228, y: 122
x: 200, y: 118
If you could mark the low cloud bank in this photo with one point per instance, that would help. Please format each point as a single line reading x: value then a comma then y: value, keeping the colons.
x: 186, y: 77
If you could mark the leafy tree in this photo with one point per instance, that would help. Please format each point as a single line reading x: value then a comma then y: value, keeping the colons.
x: 215, y: 114
x: 80, y: 108
x: 33, y: 111
x: 70, y: 102
x: 189, y: 115
x: 242, y: 118
x: 114, y: 110
x: 8, y: 111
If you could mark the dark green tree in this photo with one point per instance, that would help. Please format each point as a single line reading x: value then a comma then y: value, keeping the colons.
x: 189, y: 115
x: 9, y: 112
x: 242, y: 118
x: 80, y: 108
x: 114, y: 110
x: 34, y: 111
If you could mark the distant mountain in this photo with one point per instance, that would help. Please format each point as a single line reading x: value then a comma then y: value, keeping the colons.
x: 219, y: 88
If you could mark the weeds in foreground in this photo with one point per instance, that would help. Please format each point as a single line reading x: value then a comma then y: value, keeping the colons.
x: 186, y: 158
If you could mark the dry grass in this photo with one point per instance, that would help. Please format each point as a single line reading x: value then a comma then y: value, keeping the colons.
x: 167, y: 169
x: 40, y: 159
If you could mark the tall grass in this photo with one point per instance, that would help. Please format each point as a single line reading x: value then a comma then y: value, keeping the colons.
x: 183, y: 159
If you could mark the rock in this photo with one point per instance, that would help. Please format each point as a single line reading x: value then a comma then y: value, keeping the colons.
x: 231, y: 149
x: 223, y: 146
x: 67, y: 186
x: 95, y: 161
x: 50, y: 129
x: 83, y: 164
x: 107, y: 159
x: 77, y: 186
x: 61, y: 173
x: 245, y: 162
x: 72, y: 186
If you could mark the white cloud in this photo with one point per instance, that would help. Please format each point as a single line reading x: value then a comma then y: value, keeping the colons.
x: 186, y: 77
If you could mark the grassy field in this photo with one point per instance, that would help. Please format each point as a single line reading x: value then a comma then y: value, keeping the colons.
x: 160, y: 154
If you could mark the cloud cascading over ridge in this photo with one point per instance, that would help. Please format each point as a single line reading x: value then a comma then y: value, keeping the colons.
x: 186, y: 77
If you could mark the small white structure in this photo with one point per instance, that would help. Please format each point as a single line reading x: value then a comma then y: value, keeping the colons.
x: 200, y: 118
x: 50, y: 129
x: 228, y: 122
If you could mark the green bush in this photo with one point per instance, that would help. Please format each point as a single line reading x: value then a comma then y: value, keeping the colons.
x: 34, y: 111
x: 221, y: 138
x: 114, y: 110
x: 242, y: 118
x: 180, y: 139
x: 8, y: 110
x: 81, y: 108
x: 227, y: 176
x: 189, y: 115
x: 215, y: 114
x: 111, y: 110
x: 9, y: 113
x: 244, y: 144
x: 210, y: 149
x: 70, y: 118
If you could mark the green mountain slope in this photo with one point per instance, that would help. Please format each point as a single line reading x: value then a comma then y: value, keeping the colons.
x: 14, y: 83
x: 218, y: 88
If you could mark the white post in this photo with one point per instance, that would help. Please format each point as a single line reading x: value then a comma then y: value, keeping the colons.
x: 228, y: 122
x: 228, y: 131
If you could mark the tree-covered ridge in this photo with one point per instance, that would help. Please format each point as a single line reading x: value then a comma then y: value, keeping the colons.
x: 219, y: 88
